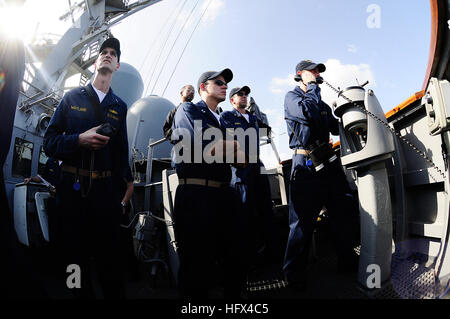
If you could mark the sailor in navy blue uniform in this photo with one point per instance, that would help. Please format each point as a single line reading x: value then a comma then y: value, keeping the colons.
x: 206, y: 211
x: 187, y: 95
x: 309, y: 123
x: 252, y: 186
x: 87, y: 197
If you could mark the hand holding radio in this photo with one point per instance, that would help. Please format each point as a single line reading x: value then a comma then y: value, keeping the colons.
x: 106, y: 129
x: 92, y: 140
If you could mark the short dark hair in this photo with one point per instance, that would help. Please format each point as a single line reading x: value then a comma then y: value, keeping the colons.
x: 184, y: 87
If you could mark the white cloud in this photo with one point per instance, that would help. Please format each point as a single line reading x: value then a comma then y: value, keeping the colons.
x: 344, y: 75
x: 282, y: 85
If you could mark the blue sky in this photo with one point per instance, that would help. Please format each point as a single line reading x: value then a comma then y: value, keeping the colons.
x: 262, y: 41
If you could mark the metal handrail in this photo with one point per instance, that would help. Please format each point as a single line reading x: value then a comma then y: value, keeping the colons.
x: 158, y: 142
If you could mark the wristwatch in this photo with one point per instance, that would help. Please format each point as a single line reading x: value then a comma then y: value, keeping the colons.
x: 123, y: 204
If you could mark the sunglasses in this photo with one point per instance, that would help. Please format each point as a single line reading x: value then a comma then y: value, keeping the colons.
x: 241, y: 93
x: 220, y: 83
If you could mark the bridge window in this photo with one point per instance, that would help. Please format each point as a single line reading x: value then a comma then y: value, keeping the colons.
x: 23, y: 155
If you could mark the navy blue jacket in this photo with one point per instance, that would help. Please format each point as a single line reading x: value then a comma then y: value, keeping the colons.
x: 308, y: 118
x: 185, y: 116
x: 74, y: 115
x: 233, y: 119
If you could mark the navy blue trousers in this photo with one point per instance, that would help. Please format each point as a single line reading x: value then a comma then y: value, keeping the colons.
x: 309, y: 192
x: 254, y: 192
x: 211, y: 231
x: 88, y: 235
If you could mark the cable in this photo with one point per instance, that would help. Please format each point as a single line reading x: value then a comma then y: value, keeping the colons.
x: 162, y: 48
x: 149, y: 214
x: 179, y: 59
x: 131, y: 222
x: 386, y: 125
x: 156, y: 61
x: 147, y: 259
x: 173, y: 45
x: 157, y: 38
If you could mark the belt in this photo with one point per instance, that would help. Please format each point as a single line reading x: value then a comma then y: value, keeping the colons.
x: 85, y: 172
x: 200, y: 181
x: 300, y: 151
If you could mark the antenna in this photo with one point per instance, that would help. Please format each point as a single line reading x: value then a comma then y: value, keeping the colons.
x: 362, y: 85
x: 72, y: 9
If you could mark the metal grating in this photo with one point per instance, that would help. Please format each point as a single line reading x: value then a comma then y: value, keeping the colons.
x: 410, y: 279
x: 264, y: 285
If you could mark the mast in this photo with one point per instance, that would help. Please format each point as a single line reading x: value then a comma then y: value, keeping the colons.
x: 74, y: 53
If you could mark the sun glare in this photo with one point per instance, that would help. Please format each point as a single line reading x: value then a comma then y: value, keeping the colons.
x: 16, y: 22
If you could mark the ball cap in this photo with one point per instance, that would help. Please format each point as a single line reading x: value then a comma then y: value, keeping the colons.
x: 307, y: 65
x: 226, y: 73
x: 111, y: 43
x: 310, y: 65
x: 244, y: 88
